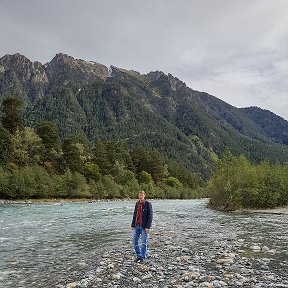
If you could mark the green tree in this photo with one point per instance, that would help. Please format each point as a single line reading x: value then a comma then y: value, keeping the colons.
x: 145, y: 177
x: 173, y: 182
x: 100, y: 157
x: 5, y: 146
x: 221, y: 188
x: 73, y: 154
x: 270, y: 183
x: 5, y: 191
x: 150, y: 161
x: 48, y: 132
x: 238, y: 183
x: 109, y: 189
x: 12, y: 114
x: 76, y: 185
x: 30, y: 182
x: 27, y: 147
x: 118, y: 151
x: 92, y: 172
x: 186, y: 177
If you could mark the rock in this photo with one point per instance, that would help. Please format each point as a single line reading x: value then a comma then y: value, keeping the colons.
x: 83, y: 283
x: 147, y: 276
x: 82, y: 264
x: 206, y: 285
x: 231, y: 255
x: 219, y: 284
x: 225, y: 261
x: 194, y: 275
x: 272, y: 251
x: 116, y: 276
x: 99, y: 270
x: 185, y: 250
x: 229, y: 276
x: 186, y: 278
x: 265, y: 249
x: 204, y: 279
x: 238, y: 284
x: 185, y: 258
x: 71, y: 285
x: 96, y: 279
x: 255, y: 248
x: 136, y: 280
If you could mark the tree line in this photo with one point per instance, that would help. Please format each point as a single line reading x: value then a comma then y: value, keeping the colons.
x: 37, y: 163
x: 238, y: 183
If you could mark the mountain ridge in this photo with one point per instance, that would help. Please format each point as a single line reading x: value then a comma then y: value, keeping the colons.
x: 153, y: 109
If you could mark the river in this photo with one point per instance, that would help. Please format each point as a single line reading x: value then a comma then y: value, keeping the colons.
x: 47, y: 245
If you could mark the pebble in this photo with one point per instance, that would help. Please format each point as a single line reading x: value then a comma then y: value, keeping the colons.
x: 255, y: 248
x: 71, y: 285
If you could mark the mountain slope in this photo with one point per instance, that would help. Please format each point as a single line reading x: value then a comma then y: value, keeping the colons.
x: 274, y: 126
x: 154, y: 110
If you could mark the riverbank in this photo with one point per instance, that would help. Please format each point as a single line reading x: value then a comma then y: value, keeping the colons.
x: 278, y: 210
x: 58, y: 201
x: 177, y: 260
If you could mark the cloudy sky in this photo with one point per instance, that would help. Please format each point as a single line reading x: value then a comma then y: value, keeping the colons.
x: 234, y: 50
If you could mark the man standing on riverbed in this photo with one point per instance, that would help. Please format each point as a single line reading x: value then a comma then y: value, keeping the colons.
x: 141, y: 224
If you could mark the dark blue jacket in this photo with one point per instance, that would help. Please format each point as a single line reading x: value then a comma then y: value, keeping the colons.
x: 147, y: 215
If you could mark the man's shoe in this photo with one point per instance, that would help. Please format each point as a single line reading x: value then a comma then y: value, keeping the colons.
x: 138, y: 259
x: 142, y: 260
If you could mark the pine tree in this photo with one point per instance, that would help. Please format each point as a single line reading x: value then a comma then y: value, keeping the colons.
x: 72, y: 155
x: 12, y: 114
x: 48, y: 132
x: 5, y: 146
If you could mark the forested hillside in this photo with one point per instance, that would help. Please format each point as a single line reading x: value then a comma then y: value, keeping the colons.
x: 273, y: 125
x: 96, y: 103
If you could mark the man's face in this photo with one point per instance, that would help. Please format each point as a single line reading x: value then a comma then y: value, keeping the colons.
x: 141, y: 196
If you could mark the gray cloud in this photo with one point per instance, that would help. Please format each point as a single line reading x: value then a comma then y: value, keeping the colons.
x: 235, y: 50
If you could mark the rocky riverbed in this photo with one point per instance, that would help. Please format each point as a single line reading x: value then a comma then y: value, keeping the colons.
x: 178, y: 259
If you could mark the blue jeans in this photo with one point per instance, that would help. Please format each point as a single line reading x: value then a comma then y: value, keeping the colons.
x: 141, y: 251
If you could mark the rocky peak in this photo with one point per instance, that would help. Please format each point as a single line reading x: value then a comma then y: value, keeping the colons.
x: 174, y: 83
x: 156, y: 75
x: 61, y: 59
x: 86, y: 70
x: 116, y: 71
x: 14, y: 60
x: 25, y: 70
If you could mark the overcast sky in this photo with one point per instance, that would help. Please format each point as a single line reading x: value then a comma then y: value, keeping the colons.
x: 236, y: 50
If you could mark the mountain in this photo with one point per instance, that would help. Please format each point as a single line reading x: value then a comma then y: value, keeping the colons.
x: 273, y: 125
x: 155, y: 110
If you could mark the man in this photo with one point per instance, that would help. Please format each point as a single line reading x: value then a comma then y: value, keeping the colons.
x: 141, y: 224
